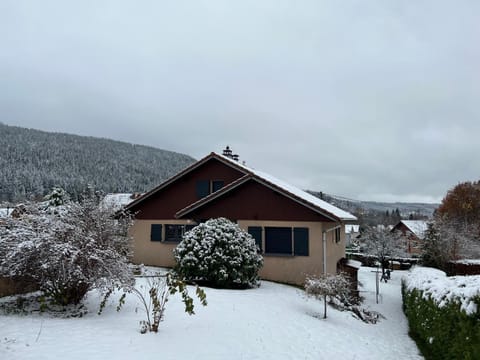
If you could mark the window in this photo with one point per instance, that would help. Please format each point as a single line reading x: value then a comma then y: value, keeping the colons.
x: 300, y: 241
x: 278, y: 240
x: 256, y: 232
x: 203, y: 188
x: 206, y: 187
x: 217, y: 185
x: 337, y: 234
x: 174, y: 233
x: 282, y: 240
x: 156, y: 232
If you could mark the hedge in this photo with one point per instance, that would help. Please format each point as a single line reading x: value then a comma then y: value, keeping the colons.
x: 442, y: 330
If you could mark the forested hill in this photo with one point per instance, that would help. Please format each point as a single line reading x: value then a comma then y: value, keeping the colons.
x: 33, y: 161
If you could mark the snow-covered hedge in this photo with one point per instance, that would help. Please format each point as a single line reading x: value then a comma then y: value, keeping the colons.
x: 443, y: 313
x: 219, y: 253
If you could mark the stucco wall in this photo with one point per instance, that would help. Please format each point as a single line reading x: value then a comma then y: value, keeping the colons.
x: 287, y: 269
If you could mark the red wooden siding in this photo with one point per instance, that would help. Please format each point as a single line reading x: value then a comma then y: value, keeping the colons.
x: 254, y: 201
x: 182, y: 192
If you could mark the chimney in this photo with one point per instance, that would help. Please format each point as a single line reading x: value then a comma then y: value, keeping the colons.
x: 227, y: 152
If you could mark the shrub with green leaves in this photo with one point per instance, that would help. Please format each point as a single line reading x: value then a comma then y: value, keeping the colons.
x: 443, y: 320
x: 219, y: 253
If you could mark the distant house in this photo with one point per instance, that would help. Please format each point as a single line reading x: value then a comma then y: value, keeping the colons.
x: 413, y: 233
x: 297, y: 233
x: 352, y: 231
x: 119, y: 200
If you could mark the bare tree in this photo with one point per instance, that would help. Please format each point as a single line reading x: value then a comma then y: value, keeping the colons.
x: 383, y: 244
x: 446, y: 240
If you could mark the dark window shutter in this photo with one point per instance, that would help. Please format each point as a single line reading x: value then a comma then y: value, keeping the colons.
x: 203, y: 188
x: 156, y: 232
x: 278, y: 240
x: 256, y: 232
x: 300, y: 241
x: 217, y: 185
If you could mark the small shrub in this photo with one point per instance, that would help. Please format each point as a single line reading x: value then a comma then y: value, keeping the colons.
x: 332, y: 287
x: 154, y: 297
x: 220, y: 254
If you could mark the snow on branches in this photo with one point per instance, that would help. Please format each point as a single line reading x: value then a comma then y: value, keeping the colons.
x: 331, y: 286
x: 67, y: 249
x: 220, y: 253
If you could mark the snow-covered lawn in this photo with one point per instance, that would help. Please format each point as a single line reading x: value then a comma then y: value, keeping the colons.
x: 272, y: 322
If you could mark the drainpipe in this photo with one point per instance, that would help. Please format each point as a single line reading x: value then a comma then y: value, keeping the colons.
x: 324, y: 241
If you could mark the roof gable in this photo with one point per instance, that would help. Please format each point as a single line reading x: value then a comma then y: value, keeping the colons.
x: 184, y: 173
x: 302, y: 197
x: 417, y: 227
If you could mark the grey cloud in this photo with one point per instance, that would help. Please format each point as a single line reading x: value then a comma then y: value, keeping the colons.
x: 373, y: 100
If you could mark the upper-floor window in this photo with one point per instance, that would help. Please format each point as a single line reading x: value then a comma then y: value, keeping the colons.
x: 206, y: 187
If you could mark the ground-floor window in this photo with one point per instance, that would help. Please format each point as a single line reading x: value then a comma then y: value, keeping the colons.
x: 281, y: 240
x: 173, y: 232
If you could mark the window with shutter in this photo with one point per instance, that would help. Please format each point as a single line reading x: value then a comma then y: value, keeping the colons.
x: 256, y: 232
x: 156, y: 232
x: 203, y: 188
x: 300, y: 241
x: 278, y: 240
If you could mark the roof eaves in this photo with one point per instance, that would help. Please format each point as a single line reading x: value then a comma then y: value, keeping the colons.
x: 297, y: 199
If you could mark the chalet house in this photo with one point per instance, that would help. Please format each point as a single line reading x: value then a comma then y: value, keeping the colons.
x: 297, y: 233
x: 413, y: 233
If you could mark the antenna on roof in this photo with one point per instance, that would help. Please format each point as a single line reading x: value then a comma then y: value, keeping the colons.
x: 227, y: 152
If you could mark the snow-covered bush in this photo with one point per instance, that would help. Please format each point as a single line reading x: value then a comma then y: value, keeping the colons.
x: 328, y: 287
x: 219, y: 253
x: 443, y: 313
x: 57, y: 197
x: 68, y: 249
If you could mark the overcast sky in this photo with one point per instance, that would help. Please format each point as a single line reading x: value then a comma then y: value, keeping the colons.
x: 369, y: 99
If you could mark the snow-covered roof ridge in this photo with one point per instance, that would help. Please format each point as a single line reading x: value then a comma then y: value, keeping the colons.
x: 418, y: 227
x: 301, y: 194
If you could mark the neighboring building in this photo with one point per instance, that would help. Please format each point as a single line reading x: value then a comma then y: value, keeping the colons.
x: 413, y: 233
x: 290, y: 226
x: 352, y: 231
x: 119, y: 200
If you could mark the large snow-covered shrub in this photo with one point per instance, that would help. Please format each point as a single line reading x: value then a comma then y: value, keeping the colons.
x: 68, y: 249
x: 218, y: 252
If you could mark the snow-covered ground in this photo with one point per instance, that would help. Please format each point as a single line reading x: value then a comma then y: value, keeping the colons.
x: 272, y: 322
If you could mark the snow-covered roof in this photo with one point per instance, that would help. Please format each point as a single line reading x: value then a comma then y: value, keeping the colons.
x: 117, y: 201
x: 301, y: 194
x: 468, y: 261
x: 418, y: 227
x: 289, y: 190
x: 4, y: 212
x: 354, y: 263
x: 352, y: 228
